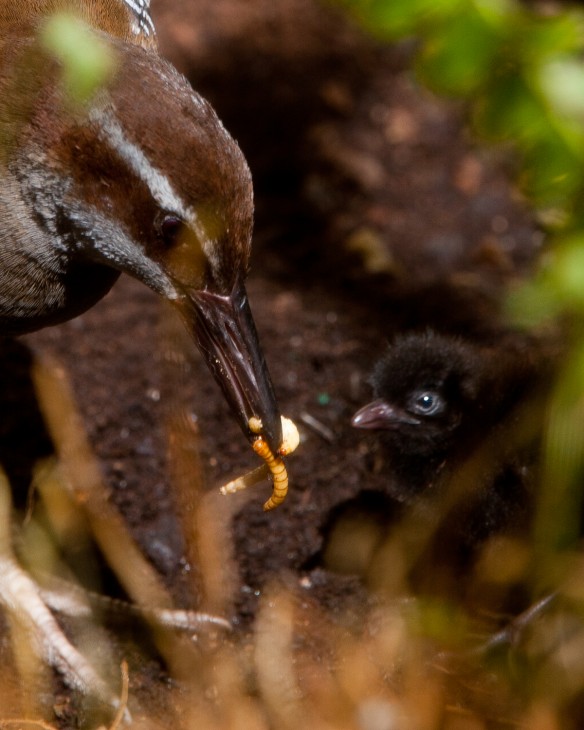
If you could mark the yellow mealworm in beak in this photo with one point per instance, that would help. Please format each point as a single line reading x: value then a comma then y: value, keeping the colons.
x: 273, y: 466
x: 277, y: 470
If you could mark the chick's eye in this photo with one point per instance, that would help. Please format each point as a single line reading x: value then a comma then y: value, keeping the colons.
x: 169, y: 227
x: 427, y: 403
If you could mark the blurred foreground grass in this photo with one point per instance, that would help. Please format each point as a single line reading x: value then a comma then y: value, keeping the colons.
x: 400, y: 663
x: 404, y: 664
x: 519, y: 68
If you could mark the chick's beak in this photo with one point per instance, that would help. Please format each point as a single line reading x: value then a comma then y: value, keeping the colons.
x: 379, y: 414
x: 225, y: 333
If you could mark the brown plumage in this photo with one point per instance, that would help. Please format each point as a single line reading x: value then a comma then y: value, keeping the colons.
x: 142, y: 178
x: 113, y: 17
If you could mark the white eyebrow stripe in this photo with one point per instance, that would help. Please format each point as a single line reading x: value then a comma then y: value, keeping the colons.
x: 157, y: 183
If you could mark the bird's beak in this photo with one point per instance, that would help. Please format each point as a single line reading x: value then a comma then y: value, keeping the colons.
x: 225, y: 333
x: 379, y: 414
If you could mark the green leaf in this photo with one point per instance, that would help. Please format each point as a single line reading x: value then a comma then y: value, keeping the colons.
x: 553, y: 172
x: 540, y: 37
x: 511, y: 110
x: 561, y: 81
x: 86, y: 59
x: 460, y: 57
x: 400, y: 18
x: 567, y: 271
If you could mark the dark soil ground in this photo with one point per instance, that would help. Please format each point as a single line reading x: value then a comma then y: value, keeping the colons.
x: 377, y: 212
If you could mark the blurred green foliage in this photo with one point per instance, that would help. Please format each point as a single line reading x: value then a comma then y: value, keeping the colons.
x: 87, y: 61
x: 521, y: 71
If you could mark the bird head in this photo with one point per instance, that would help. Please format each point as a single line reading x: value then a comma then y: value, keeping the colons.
x: 425, y: 388
x: 145, y: 180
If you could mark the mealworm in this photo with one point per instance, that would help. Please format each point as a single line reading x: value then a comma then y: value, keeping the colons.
x: 273, y: 463
x: 247, y: 480
x: 277, y: 470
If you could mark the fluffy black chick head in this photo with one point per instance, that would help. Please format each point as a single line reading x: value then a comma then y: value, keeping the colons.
x: 428, y: 394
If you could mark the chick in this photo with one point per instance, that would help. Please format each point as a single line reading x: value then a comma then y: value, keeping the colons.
x: 460, y: 424
x: 437, y: 397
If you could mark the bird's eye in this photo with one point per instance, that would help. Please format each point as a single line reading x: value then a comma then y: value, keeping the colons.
x: 169, y: 226
x: 427, y: 403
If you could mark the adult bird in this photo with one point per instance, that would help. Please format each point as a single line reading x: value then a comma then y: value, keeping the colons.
x: 142, y: 178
